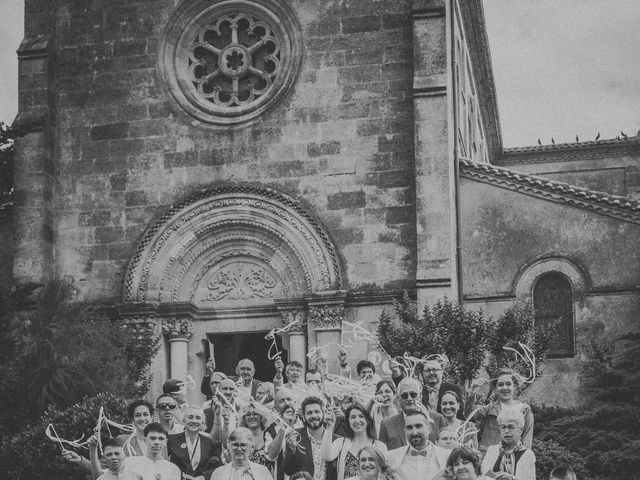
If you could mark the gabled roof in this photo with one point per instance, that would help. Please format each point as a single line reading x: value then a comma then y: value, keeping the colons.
x: 570, y: 151
x: 622, y: 208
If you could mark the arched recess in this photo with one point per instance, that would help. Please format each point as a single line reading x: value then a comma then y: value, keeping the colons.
x: 232, y: 244
x: 555, y: 285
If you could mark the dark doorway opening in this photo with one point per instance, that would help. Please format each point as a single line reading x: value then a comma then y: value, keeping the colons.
x: 230, y: 348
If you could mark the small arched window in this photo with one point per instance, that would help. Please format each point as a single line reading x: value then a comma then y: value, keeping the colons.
x: 553, y: 304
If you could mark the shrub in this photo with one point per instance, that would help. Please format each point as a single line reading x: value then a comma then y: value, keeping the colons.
x: 447, y: 328
x: 31, y: 455
x: 61, y: 351
x: 550, y: 454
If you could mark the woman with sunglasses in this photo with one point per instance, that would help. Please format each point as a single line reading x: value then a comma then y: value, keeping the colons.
x: 166, y: 408
x: 252, y: 417
x: 383, y: 406
x: 240, y: 467
x: 360, y: 432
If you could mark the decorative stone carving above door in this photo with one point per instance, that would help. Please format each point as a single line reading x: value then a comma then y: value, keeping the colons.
x: 235, y: 244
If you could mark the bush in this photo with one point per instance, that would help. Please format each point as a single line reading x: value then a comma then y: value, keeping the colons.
x: 61, y: 351
x: 550, y: 454
x: 447, y: 328
x: 31, y: 455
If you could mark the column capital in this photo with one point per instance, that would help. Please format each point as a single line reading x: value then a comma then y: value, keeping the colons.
x: 327, y: 317
x: 177, y: 328
x: 291, y: 316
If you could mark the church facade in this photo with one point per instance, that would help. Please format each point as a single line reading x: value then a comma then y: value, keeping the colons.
x: 221, y: 169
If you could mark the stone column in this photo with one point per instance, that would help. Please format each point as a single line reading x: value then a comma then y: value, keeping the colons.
x: 327, y: 322
x: 297, y: 340
x: 178, y: 330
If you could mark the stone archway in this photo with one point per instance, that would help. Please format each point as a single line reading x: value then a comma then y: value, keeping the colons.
x: 233, y: 258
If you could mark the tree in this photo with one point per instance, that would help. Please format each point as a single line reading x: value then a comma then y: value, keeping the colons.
x: 517, y: 325
x: 465, y: 336
x: 606, y: 431
x: 6, y: 170
x: 59, y: 351
x: 446, y: 328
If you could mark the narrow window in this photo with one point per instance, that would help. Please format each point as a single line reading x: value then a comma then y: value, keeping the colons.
x: 553, y: 303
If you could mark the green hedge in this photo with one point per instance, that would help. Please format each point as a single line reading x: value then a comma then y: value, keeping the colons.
x: 30, y: 455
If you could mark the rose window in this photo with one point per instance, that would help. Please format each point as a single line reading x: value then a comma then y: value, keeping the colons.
x: 226, y: 64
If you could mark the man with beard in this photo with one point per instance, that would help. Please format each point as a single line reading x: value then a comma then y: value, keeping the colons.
x: 392, y: 432
x: 308, y: 457
x: 420, y: 459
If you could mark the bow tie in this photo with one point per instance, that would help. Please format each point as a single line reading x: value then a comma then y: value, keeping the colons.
x: 415, y: 453
x: 433, y: 389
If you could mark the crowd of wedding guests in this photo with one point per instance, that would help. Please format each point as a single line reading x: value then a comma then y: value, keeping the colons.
x: 297, y: 428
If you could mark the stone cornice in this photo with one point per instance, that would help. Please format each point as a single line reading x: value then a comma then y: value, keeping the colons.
x: 622, y: 208
x: 565, y: 152
x: 478, y: 43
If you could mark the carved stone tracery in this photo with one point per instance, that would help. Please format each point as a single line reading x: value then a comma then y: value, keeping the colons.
x: 181, y: 254
x: 234, y: 60
x: 177, y: 328
x: 240, y: 281
x: 225, y: 63
x: 327, y: 316
x: 291, y: 316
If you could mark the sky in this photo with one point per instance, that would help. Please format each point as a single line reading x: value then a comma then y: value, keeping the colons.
x: 562, y: 67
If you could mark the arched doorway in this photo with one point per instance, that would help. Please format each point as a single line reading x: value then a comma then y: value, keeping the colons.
x: 226, y: 266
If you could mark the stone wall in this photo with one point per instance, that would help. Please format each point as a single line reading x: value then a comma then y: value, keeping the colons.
x: 342, y: 139
x: 504, y: 232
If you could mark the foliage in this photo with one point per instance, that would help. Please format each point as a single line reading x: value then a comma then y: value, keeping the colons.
x: 6, y: 169
x: 606, y: 431
x: 30, y: 454
x: 398, y: 333
x: 61, y: 350
x: 550, y: 454
x: 140, y: 345
x: 447, y: 328
x: 517, y: 324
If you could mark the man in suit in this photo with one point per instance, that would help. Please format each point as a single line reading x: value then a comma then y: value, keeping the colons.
x: 192, y: 451
x: 420, y: 459
x: 410, y: 399
x: 434, y: 388
x: 308, y: 458
x: 247, y: 385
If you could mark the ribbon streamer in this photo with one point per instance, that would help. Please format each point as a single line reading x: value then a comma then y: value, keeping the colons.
x: 273, y: 351
x: 52, y: 435
x: 528, y: 358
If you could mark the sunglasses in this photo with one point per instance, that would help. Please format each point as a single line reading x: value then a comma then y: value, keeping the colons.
x: 406, y: 395
x: 166, y: 406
